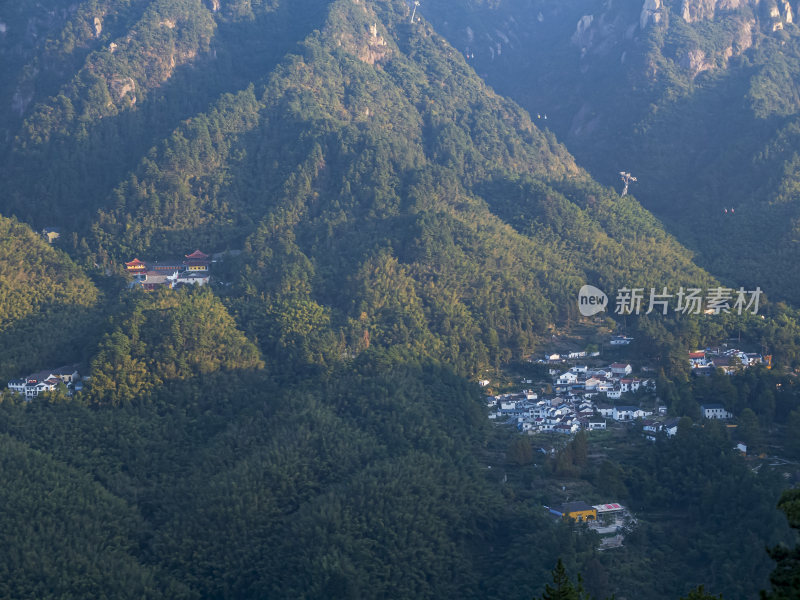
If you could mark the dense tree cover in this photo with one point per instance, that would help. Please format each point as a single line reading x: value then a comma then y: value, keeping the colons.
x: 785, y: 579
x: 698, y: 510
x: 701, y: 594
x: 362, y: 483
x: 700, y: 104
x: 65, y: 536
x: 666, y: 340
x: 47, y: 303
x: 96, y: 85
x: 380, y: 200
x: 390, y: 208
x: 166, y: 336
x: 365, y: 483
x: 563, y: 588
x: 714, y: 511
x: 418, y: 207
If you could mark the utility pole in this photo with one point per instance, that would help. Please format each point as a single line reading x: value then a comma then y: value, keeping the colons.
x: 626, y: 179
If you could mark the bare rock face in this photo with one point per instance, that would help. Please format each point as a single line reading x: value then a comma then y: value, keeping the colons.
x: 698, y: 10
x: 375, y: 49
x: 363, y: 38
x: 651, y: 13
x: 695, y: 62
x: 743, y: 38
x: 774, y: 11
x: 371, y: 50
x: 98, y: 26
x: 582, y: 35
x: 788, y: 17
x: 123, y: 86
x: 780, y: 13
x: 601, y: 34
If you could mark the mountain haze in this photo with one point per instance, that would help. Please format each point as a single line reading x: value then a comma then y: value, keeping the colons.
x: 697, y: 98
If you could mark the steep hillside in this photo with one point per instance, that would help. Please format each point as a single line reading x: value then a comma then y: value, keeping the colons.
x: 697, y: 98
x: 305, y: 426
x: 65, y: 536
x: 362, y: 484
x: 171, y: 336
x: 95, y: 85
x: 386, y: 195
x: 48, y: 305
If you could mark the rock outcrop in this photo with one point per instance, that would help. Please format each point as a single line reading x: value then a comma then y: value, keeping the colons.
x: 375, y: 49
x: 695, y: 61
x: 651, y: 13
x: 698, y: 10
x: 582, y: 36
x: 123, y: 86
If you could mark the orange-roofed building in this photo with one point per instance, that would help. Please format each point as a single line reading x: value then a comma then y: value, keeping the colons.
x: 196, y: 261
x: 135, y: 266
x: 698, y: 359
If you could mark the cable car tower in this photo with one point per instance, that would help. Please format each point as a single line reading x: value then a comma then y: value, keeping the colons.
x: 626, y: 179
x: 413, y: 12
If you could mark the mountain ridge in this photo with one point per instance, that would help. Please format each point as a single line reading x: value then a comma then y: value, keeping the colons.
x: 694, y: 98
x: 370, y: 154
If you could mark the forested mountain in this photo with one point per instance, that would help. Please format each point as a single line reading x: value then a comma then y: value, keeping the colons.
x: 383, y: 194
x: 366, y: 483
x: 173, y: 336
x: 48, y: 306
x: 305, y: 426
x: 63, y: 533
x: 697, y: 98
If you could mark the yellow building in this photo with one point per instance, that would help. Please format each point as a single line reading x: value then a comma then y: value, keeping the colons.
x: 196, y: 261
x: 577, y: 511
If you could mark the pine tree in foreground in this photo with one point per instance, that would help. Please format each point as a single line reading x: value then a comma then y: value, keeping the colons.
x: 563, y: 588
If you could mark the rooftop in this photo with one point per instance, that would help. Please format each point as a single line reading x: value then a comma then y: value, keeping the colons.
x: 569, y: 507
x: 608, y: 507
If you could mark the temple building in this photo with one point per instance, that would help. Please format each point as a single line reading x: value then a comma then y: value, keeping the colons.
x: 192, y: 270
x: 197, y: 262
x: 135, y: 266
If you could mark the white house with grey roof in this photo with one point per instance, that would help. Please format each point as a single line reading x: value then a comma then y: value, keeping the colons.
x: 715, y: 411
x: 44, y: 381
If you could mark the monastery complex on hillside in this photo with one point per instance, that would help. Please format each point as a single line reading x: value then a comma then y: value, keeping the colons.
x: 192, y: 270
